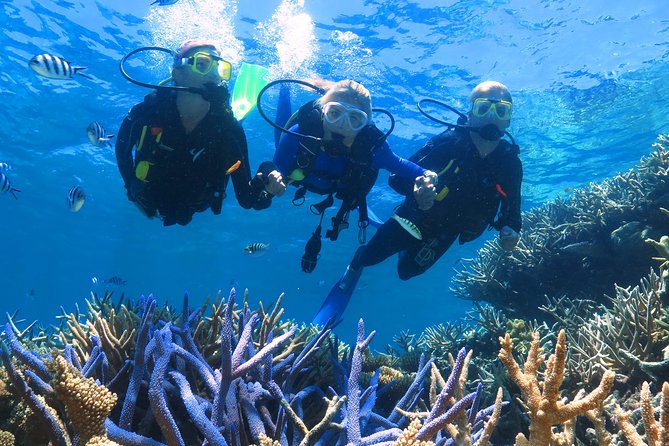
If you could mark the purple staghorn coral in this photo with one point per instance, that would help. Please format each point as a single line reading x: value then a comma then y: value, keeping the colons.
x: 259, y: 387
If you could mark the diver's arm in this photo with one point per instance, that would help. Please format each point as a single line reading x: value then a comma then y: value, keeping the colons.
x: 285, y: 156
x: 509, y: 214
x: 125, y: 141
x: 250, y: 192
x: 404, y: 171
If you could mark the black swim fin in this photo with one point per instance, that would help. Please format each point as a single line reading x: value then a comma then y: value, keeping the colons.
x: 335, y: 304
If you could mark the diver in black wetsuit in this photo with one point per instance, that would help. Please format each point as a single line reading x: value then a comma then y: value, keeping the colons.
x: 479, y: 178
x: 187, y: 143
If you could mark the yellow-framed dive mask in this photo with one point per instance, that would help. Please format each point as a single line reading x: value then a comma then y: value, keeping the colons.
x: 203, y: 63
x: 483, y: 106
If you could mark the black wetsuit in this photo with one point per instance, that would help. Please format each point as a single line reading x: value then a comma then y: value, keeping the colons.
x: 174, y: 173
x: 476, y: 189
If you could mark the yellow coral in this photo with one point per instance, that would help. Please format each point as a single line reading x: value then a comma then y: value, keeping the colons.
x: 6, y: 438
x: 266, y: 441
x: 408, y: 437
x: 101, y: 440
x: 86, y: 403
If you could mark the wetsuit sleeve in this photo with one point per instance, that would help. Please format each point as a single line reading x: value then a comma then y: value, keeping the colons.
x: 384, y: 158
x: 126, y: 138
x: 250, y: 192
x: 509, y: 214
x: 285, y: 156
x: 403, y: 184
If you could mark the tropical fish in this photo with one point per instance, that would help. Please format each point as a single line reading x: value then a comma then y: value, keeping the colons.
x: 54, y: 67
x: 113, y: 280
x: 257, y: 249
x: 6, y: 185
x: 97, y: 135
x: 4, y: 167
x: 116, y: 280
x: 164, y: 2
x: 76, y: 198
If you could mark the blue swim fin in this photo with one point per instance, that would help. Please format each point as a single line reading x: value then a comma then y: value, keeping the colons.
x: 335, y: 304
x: 250, y: 80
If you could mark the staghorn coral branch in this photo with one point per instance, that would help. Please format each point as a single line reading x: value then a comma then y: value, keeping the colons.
x: 334, y: 405
x: 353, y: 406
x: 55, y: 432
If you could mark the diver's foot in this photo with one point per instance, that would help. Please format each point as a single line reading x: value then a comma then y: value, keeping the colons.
x: 349, y: 278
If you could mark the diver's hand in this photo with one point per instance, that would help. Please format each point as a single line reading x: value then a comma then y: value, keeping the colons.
x: 508, y: 238
x: 425, y: 190
x: 273, y: 183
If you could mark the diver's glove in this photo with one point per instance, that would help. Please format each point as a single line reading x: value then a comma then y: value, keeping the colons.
x: 217, y: 95
x: 508, y: 238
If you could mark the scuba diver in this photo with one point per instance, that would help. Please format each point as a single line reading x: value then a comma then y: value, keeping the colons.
x: 478, y: 187
x: 187, y: 142
x: 331, y: 147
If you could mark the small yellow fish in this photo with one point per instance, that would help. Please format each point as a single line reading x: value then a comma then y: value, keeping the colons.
x: 257, y: 249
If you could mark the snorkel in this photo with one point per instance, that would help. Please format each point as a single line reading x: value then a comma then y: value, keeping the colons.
x: 489, y: 132
x: 336, y: 139
x: 208, y: 93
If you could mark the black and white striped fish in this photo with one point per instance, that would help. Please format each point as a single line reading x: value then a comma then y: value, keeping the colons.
x: 76, y: 198
x: 4, y: 167
x: 97, y: 135
x: 54, y: 67
x: 164, y: 2
x: 6, y: 185
x: 113, y: 280
x: 257, y: 249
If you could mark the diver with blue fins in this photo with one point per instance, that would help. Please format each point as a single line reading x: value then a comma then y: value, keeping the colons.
x: 332, y: 147
x: 478, y: 184
x: 188, y: 142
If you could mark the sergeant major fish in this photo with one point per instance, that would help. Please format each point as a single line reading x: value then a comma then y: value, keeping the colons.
x: 76, y: 198
x: 257, y: 249
x: 54, y: 67
x: 164, y: 2
x: 4, y: 167
x: 6, y: 185
x: 97, y: 135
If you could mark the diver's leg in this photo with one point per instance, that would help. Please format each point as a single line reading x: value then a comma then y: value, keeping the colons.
x: 389, y: 239
x: 283, y: 112
x: 422, y: 255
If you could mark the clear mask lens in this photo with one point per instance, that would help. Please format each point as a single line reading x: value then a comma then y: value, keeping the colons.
x: 338, y: 113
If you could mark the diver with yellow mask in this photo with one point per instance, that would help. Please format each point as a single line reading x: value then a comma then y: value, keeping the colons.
x: 178, y: 148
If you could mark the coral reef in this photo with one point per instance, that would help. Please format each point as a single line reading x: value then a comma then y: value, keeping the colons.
x: 656, y: 431
x: 595, y: 236
x: 543, y: 401
x: 260, y: 391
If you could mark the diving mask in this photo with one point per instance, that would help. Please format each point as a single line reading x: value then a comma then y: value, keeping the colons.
x: 484, y: 106
x: 203, y: 63
x: 338, y: 113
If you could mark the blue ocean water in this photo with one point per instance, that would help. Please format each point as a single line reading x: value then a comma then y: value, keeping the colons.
x: 589, y: 87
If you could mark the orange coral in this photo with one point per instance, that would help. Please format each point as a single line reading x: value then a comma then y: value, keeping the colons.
x: 545, y: 408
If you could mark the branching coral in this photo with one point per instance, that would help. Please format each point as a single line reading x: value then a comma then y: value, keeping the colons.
x: 87, y: 404
x: 544, y: 405
x: 598, y: 232
x: 656, y: 431
x: 625, y: 337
